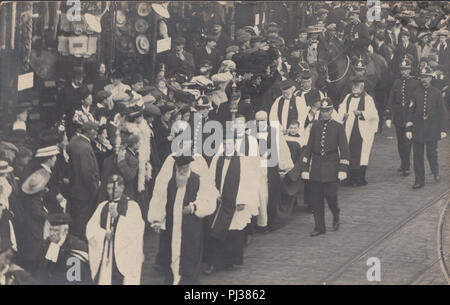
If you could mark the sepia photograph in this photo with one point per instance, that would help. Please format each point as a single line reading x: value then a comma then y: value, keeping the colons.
x: 241, y: 145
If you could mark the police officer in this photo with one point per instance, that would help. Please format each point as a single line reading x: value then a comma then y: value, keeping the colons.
x: 397, y: 108
x: 426, y: 125
x: 325, y: 162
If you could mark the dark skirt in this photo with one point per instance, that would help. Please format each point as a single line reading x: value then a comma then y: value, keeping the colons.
x: 228, y: 252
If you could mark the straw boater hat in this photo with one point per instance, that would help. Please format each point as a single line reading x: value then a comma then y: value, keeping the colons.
x: 142, y: 44
x: 5, y: 168
x: 141, y: 25
x: 161, y: 9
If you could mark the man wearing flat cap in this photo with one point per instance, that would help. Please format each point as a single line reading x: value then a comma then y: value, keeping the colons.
x: 404, y: 47
x: 426, y: 124
x: 179, y: 60
x: 324, y: 163
x: 85, y: 178
x: 184, y: 194
x: 287, y: 107
x: 62, y: 252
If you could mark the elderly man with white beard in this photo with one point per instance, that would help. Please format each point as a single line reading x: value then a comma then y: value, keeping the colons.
x: 184, y: 194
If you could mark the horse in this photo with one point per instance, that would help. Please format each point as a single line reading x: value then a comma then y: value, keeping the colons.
x: 336, y: 66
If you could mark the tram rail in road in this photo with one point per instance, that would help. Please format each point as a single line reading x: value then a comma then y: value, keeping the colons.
x: 443, y: 234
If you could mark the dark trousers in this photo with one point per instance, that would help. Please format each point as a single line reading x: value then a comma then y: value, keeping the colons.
x: 404, y: 147
x: 419, y: 159
x: 80, y: 211
x: 307, y: 194
x: 320, y: 191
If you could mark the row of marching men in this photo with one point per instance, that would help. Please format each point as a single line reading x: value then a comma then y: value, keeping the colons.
x: 206, y: 213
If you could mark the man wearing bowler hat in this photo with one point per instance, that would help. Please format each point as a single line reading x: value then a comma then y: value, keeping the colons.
x: 426, y: 125
x: 85, y: 177
x: 325, y: 161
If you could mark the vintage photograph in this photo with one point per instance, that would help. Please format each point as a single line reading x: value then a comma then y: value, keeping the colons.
x: 224, y: 143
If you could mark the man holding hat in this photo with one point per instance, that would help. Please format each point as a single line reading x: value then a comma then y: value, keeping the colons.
x: 183, y: 196
x: 179, y: 60
x: 325, y: 162
x: 62, y: 251
x: 85, y: 177
x: 426, y: 125
x: 33, y: 212
x: 287, y: 107
x: 397, y: 110
x: 360, y: 117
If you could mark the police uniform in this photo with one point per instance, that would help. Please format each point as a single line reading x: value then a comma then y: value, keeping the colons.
x: 397, y: 108
x: 326, y: 154
x: 427, y: 118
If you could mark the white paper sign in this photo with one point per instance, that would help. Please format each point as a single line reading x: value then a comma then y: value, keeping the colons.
x: 25, y: 81
x: 256, y: 19
x: 163, y: 45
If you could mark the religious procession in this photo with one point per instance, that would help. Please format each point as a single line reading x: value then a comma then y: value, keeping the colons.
x: 200, y: 126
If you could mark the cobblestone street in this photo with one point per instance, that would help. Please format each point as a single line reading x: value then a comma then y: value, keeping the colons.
x: 373, y: 224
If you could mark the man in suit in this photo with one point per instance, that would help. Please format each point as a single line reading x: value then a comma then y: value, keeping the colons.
x: 179, y: 60
x: 380, y: 47
x: 208, y: 53
x: 325, y: 162
x: 69, y: 100
x: 397, y: 108
x: 404, y: 47
x: 426, y: 125
x: 85, y: 178
x: 224, y: 113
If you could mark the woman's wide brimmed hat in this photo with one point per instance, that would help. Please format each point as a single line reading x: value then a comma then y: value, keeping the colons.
x: 36, y: 182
